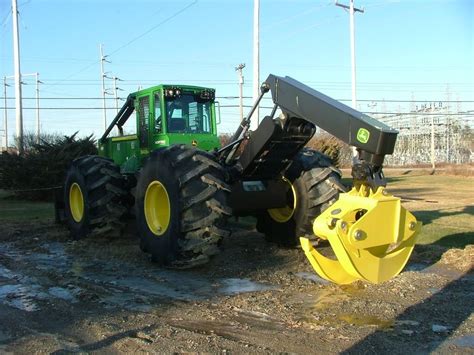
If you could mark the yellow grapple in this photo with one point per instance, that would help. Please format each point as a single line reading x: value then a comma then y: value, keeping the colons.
x: 371, y: 234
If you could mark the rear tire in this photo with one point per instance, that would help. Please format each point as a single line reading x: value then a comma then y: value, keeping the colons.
x: 93, y: 195
x: 181, y: 201
x: 316, y: 185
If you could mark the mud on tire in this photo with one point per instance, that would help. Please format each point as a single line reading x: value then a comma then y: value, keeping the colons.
x: 197, y: 203
x: 317, y: 185
x: 102, y: 189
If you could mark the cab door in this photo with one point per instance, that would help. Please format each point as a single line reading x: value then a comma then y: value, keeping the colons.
x: 158, y: 124
x: 143, y: 120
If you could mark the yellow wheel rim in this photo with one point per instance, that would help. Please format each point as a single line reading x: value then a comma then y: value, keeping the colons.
x: 76, y: 202
x: 157, y: 208
x: 284, y: 214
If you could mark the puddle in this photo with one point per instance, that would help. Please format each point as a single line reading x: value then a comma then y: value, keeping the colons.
x: 19, y: 291
x: 260, y: 320
x: 120, y: 285
x: 434, y: 290
x: 20, y: 296
x: 166, y: 284
x: 63, y: 293
x: 324, y: 303
x: 235, y: 286
x: 366, y: 320
x: 322, y: 299
x: 139, y: 293
x: 407, y: 322
x: 312, y: 277
x: 416, y: 267
x: 326, y: 298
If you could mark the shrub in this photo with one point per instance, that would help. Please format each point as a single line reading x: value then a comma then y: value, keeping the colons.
x: 43, y: 165
x: 224, y: 139
x: 338, y: 151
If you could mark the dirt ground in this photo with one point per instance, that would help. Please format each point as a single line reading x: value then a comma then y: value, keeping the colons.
x: 61, y: 296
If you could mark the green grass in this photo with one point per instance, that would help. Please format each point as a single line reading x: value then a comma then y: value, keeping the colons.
x: 15, y: 210
x: 445, y: 205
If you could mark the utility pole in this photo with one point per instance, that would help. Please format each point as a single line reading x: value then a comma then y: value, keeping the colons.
x: 116, y: 89
x: 102, y: 76
x: 352, y: 11
x: 16, y: 60
x: 448, y: 128
x: 37, y: 108
x: 241, y: 89
x: 5, y: 111
x: 433, y: 166
x: 37, y: 82
x: 256, y: 60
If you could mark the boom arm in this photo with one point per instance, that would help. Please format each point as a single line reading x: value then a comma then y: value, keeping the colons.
x: 373, y: 138
x: 271, y: 148
x: 121, y: 117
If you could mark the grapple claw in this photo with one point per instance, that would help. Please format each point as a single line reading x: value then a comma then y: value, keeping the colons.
x: 371, y: 234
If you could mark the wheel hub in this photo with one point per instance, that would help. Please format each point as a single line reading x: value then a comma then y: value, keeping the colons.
x: 76, y: 202
x: 284, y: 214
x: 157, y: 208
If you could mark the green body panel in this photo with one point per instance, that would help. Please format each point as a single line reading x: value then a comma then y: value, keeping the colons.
x: 155, y: 109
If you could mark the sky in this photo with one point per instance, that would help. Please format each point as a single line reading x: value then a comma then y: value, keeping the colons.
x: 405, y: 50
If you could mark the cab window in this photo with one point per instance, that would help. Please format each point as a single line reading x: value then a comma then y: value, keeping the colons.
x: 185, y: 114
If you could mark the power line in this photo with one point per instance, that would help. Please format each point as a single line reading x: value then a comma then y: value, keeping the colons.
x: 155, y: 27
x: 128, y: 43
x: 5, y: 19
x: 319, y: 83
x: 465, y: 114
x: 249, y: 97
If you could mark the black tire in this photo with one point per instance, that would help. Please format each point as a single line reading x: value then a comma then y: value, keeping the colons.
x: 317, y: 185
x: 197, y: 195
x: 102, y: 190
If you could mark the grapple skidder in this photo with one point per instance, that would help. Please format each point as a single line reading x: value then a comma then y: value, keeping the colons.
x: 182, y: 186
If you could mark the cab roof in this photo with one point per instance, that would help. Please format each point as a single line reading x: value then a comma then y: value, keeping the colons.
x: 166, y: 86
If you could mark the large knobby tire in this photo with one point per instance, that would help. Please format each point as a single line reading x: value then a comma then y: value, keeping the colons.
x: 181, y: 206
x: 93, y: 195
x: 314, y: 185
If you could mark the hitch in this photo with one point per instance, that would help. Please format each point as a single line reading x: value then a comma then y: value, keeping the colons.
x: 371, y: 234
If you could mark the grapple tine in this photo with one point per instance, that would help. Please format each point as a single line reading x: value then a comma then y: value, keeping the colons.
x: 328, y: 269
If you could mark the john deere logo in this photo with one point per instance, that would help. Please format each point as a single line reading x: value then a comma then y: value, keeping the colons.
x: 194, y: 143
x: 363, y: 135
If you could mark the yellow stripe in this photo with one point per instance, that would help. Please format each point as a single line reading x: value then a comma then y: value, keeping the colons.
x: 124, y: 138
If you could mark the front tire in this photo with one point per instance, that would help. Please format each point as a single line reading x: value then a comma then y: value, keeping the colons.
x: 314, y: 185
x: 181, y: 201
